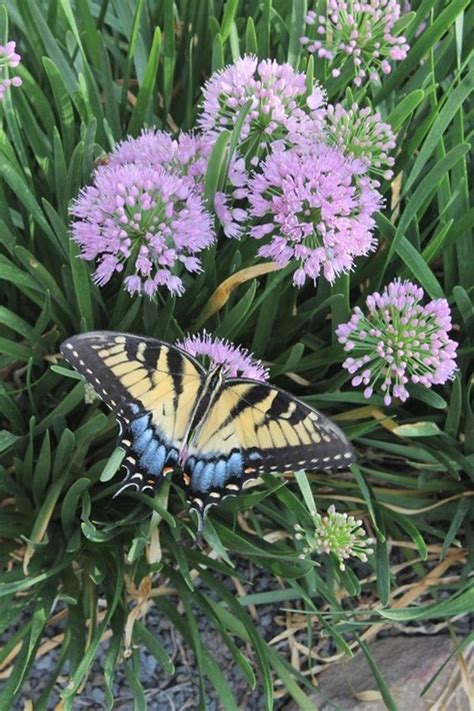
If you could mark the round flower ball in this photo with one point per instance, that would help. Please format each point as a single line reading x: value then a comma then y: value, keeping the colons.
x: 399, y: 340
x: 314, y: 210
x: 280, y: 106
x: 143, y: 221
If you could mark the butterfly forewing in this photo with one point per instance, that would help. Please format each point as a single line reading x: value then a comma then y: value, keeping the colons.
x: 152, y: 388
x: 253, y: 428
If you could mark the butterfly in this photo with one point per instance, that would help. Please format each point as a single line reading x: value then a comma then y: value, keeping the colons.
x: 220, y: 432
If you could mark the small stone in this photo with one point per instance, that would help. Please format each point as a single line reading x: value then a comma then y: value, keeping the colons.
x: 407, y: 665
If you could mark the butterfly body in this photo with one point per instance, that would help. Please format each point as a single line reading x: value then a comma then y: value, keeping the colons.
x: 221, y: 432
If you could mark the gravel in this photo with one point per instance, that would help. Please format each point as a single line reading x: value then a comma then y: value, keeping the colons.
x: 163, y: 693
x: 181, y: 691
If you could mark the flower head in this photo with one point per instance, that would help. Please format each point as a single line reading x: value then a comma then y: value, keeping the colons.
x: 281, y: 107
x: 357, y: 31
x: 145, y: 215
x: 185, y: 156
x: 313, y: 209
x: 399, y: 341
x: 336, y: 533
x: 214, y: 351
x: 362, y: 134
x: 8, y: 58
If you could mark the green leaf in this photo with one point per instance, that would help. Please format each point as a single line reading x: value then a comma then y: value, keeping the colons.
x: 418, y: 429
x: 405, y: 108
x: 143, y: 635
x: 147, y: 86
x: 297, y: 29
x: 83, y: 287
x: 427, y: 39
x: 461, y: 603
x: 251, y: 45
x: 230, y: 9
x: 453, y: 102
x: 305, y: 488
x: 383, y: 571
x: 462, y: 509
x: 70, y: 504
x: 62, y: 102
x: 216, y: 166
x: 368, y: 498
x: 42, y: 470
x: 413, y: 532
x: 7, y: 439
x: 16, y: 323
x: 424, y: 190
x: 381, y: 683
x: 43, y: 276
x: 453, y: 416
x: 18, y: 185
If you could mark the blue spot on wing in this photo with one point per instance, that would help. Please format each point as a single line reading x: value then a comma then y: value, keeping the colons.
x: 196, y: 474
x: 139, y: 425
x: 220, y: 471
x: 235, y: 465
x: 153, y: 458
x: 214, y: 473
x: 142, y: 442
x: 206, y: 476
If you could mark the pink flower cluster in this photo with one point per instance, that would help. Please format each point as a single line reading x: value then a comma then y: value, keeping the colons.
x: 298, y: 179
x: 360, y: 32
x: 214, y: 351
x: 399, y: 341
x: 316, y: 209
x: 281, y: 110
x: 185, y: 156
x: 308, y: 195
x: 147, y: 217
x: 8, y: 58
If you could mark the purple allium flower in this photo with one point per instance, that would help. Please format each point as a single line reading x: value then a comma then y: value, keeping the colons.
x: 399, y: 341
x: 358, y: 31
x: 215, y: 351
x: 187, y: 157
x: 362, y: 134
x: 281, y: 109
x: 139, y: 213
x: 313, y: 209
x: 8, y: 58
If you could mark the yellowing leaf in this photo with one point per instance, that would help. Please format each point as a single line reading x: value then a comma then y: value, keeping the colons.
x: 222, y: 294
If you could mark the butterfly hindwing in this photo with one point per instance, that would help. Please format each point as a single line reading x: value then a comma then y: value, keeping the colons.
x: 151, y: 386
x: 253, y: 428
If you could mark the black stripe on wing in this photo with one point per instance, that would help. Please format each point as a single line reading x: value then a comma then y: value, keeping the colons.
x: 255, y: 428
x: 106, y: 359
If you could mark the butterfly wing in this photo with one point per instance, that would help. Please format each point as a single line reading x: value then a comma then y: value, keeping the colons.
x: 151, y: 386
x: 253, y: 428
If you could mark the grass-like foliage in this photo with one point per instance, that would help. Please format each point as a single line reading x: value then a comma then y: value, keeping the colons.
x: 93, y: 73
